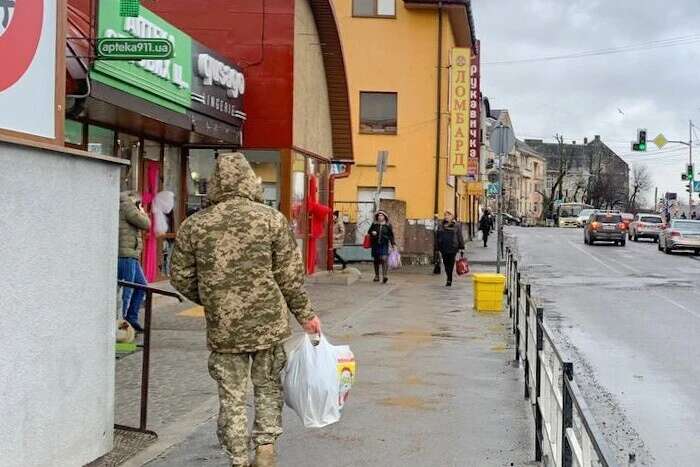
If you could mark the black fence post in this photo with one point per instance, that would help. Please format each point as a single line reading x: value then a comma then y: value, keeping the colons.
x: 567, y: 413
x: 513, y: 293
x: 538, y: 374
x: 516, y: 319
x: 526, y: 361
x: 146, y: 363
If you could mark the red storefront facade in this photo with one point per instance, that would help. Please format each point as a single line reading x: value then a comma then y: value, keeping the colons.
x: 296, y: 100
x: 270, y: 40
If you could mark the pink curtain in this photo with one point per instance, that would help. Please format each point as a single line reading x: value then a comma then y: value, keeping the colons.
x: 150, y: 189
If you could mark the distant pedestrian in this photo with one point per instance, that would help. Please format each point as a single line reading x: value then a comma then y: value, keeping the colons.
x: 450, y: 242
x: 693, y: 215
x: 382, y: 238
x: 486, y: 225
x: 239, y: 259
x: 683, y: 216
x: 338, y: 237
x: 133, y: 221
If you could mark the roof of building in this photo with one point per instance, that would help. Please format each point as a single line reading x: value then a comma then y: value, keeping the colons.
x: 465, y: 3
x: 578, y: 156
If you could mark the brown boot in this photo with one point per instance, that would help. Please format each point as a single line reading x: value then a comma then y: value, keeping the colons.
x: 265, y: 456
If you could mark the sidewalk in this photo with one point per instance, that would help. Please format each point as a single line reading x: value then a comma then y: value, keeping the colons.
x: 478, y: 255
x: 435, y: 383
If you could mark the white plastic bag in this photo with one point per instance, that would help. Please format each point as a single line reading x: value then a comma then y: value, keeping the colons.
x: 394, y: 259
x: 317, y: 380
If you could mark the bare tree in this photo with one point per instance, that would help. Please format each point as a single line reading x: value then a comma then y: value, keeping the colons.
x: 563, y: 169
x: 639, y: 184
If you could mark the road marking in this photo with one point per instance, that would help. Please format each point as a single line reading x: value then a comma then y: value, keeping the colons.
x: 675, y: 303
x: 594, y: 257
x: 654, y: 292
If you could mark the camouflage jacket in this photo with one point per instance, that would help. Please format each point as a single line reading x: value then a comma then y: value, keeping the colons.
x: 239, y: 259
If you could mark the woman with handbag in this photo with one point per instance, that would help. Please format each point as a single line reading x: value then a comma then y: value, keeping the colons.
x: 450, y: 242
x: 381, y: 237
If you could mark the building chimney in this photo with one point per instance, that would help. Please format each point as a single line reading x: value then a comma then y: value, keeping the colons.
x: 574, y: 143
x: 597, y: 137
x: 585, y: 141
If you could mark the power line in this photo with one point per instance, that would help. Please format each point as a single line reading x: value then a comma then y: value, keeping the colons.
x: 649, y: 45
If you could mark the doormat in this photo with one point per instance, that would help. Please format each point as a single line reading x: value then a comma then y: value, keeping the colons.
x: 126, y: 445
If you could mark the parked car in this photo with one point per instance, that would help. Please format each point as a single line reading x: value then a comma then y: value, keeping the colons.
x: 646, y: 226
x: 605, y: 226
x: 627, y: 218
x: 583, y: 217
x: 680, y: 234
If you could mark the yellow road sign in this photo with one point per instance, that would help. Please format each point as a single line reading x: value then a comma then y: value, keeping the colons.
x: 660, y: 141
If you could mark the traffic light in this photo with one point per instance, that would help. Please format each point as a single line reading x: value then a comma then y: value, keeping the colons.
x: 641, y: 144
x: 687, y: 187
x: 689, y: 172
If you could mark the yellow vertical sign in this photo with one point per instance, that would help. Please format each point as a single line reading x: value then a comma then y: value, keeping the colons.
x: 459, y: 110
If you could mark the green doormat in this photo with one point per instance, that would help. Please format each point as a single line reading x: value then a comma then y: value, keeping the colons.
x: 125, y: 347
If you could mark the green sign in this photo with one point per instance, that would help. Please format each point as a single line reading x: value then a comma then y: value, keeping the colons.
x: 163, y: 82
x: 132, y: 48
x: 129, y: 8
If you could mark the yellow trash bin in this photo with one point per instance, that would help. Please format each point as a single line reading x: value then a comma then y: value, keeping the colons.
x: 488, y: 291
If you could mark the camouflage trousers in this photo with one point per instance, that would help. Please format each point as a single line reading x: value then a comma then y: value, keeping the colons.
x: 231, y: 372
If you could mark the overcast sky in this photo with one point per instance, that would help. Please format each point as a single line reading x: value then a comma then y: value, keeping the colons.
x: 653, y: 88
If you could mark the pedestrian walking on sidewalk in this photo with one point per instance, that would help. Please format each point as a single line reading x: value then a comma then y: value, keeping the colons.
x: 382, y: 238
x: 450, y: 242
x: 338, y: 237
x: 486, y: 225
x: 133, y: 220
x: 239, y: 259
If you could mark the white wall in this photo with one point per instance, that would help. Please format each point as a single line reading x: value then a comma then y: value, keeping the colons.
x: 58, y: 249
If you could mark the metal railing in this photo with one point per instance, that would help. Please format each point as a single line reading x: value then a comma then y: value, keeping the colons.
x: 565, y: 433
x: 146, y: 362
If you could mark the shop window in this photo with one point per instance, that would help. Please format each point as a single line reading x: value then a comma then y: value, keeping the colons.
x: 172, y: 178
x: 298, y: 218
x: 128, y: 148
x: 73, y: 133
x: 200, y: 168
x: 151, y: 150
x: 374, y: 8
x: 266, y: 165
x: 378, y: 113
x: 100, y: 140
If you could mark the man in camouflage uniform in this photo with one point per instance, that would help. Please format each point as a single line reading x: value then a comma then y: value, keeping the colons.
x: 239, y: 259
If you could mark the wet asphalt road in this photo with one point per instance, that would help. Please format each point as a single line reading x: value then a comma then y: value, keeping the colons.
x: 629, y: 318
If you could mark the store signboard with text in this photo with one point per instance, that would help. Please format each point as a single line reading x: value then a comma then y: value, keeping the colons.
x: 163, y: 82
x: 459, y: 110
x: 31, y: 89
x: 195, y: 77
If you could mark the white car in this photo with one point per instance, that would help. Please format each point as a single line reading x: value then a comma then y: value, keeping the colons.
x: 583, y: 217
x: 680, y: 234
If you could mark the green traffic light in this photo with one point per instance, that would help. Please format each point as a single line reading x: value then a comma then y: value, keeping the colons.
x: 642, y: 147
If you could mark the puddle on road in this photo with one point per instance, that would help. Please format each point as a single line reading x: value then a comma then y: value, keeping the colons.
x: 408, y: 402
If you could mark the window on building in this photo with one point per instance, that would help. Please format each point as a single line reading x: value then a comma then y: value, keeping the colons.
x: 101, y: 140
x: 378, y: 112
x: 73, y: 133
x: 374, y: 8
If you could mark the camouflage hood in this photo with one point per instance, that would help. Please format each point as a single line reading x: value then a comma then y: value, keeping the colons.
x: 233, y: 177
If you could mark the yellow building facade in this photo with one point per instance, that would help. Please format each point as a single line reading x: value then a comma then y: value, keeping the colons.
x: 394, y: 51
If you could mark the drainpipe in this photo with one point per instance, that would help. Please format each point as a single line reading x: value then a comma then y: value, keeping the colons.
x: 331, y: 199
x: 437, y: 130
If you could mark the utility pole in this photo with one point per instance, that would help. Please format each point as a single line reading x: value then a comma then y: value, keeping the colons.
x: 690, y: 161
x: 656, y: 198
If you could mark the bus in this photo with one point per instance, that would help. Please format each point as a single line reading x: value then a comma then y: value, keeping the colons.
x: 567, y: 213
